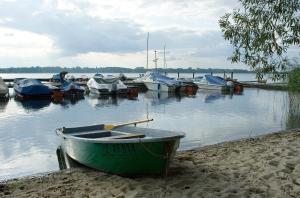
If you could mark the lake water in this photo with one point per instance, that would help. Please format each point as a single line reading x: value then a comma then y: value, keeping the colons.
x: 28, y: 142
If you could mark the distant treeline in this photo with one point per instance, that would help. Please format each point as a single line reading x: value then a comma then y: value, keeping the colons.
x: 57, y: 69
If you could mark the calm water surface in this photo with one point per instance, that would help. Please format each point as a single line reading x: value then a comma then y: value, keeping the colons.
x: 28, y: 142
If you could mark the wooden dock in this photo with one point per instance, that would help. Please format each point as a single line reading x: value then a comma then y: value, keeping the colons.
x: 272, y: 86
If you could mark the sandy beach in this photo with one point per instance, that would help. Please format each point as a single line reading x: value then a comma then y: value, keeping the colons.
x: 265, y: 166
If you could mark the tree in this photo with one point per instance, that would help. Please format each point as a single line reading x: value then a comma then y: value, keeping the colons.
x: 261, y: 31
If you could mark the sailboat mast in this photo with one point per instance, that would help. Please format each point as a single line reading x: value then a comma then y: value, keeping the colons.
x: 147, y: 50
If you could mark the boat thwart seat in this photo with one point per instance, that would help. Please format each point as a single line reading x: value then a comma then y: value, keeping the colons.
x: 126, y: 136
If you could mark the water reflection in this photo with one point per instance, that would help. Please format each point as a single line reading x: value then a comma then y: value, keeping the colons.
x: 68, y: 102
x: 98, y: 101
x: 158, y: 98
x: 293, y: 115
x: 65, y: 161
x: 3, y: 104
x: 212, y: 95
x: 33, y: 105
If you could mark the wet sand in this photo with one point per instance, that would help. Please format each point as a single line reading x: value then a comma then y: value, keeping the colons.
x: 266, y: 166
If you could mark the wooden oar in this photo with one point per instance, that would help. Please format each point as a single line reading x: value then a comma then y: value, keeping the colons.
x: 111, y: 126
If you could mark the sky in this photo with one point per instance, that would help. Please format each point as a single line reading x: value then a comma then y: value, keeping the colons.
x: 92, y: 33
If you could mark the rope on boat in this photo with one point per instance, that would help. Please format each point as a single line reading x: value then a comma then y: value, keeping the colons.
x: 167, y: 146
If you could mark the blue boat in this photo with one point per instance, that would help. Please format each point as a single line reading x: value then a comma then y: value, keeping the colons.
x: 30, y: 89
x: 210, y: 82
x: 72, y: 89
x: 217, y: 80
x: 68, y: 87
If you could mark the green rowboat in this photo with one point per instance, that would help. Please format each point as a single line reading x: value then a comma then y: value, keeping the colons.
x: 124, y: 150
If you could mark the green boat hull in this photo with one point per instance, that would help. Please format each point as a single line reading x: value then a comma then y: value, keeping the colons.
x: 123, y: 158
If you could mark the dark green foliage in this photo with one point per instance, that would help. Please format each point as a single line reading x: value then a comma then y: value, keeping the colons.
x: 294, y: 80
x: 261, y: 32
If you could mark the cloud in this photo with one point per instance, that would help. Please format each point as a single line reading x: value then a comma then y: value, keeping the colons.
x: 74, y: 32
x: 79, y: 29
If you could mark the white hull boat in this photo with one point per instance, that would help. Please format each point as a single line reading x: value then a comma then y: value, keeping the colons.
x: 209, y: 82
x: 157, y: 86
x: 102, y: 85
x: 155, y: 81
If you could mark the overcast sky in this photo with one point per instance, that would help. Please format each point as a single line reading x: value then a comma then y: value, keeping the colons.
x: 113, y: 33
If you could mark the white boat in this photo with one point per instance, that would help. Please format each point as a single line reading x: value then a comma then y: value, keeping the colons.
x: 155, y: 81
x: 109, y: 84
x: 210, y: 82
x: 3, y: 89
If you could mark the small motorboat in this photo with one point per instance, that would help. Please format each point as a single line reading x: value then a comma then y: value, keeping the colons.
x: 65, y: 83
x: 4, y: 92
x: 213, y: 83
x: 109, y: 84
x: 121, y: 149
x: 31, y: 89
x: 72, y: 89
x: 155, y: 81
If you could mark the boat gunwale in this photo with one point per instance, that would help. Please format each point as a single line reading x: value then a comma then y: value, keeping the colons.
x: 177, y: 135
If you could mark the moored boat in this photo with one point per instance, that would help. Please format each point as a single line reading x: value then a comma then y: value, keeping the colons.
x: 121, y: 149
x: 155, y: 81
x: 109, y: 84
x: 72, y: 89
x: 31, y: 89
x: 3, y: 89
x: 213, y: 83
x: 65, y: 82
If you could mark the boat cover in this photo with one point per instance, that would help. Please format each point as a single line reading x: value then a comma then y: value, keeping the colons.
x: 56, y: 78
x: 109, y: 79
x: 164, y: 79
x: 31, y: 87
x: 68, y: 86
x: 215, y: 80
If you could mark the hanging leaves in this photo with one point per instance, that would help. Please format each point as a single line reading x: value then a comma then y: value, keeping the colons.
x: 261, y: 32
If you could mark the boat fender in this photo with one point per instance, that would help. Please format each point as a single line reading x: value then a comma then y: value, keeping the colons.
x: 237, y: 88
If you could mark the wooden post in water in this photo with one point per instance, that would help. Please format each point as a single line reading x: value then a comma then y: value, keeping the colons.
x: 193, y: 75
x: 177, y: 74
x: 224, y: 74
x: 232, y: 75
x: 165, y: 73
x: 211, y: 73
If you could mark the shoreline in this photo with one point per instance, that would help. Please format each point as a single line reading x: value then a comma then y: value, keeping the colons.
x: 263, y: 166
